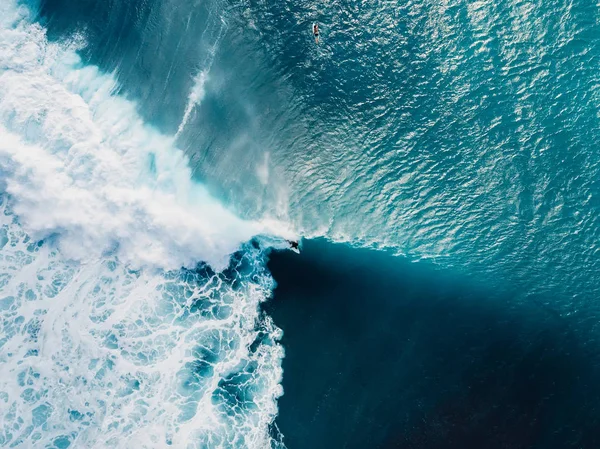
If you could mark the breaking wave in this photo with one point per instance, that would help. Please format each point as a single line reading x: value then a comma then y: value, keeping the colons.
x: 105, y: 339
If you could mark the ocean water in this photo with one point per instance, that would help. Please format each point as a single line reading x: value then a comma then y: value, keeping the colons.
x: 385, y: 353
x: 156, y: 154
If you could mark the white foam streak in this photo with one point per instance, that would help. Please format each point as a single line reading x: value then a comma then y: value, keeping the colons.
x: 198, y: 90
x: 196, y: 96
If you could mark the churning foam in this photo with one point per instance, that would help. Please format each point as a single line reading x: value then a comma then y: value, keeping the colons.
x: 104, y: 340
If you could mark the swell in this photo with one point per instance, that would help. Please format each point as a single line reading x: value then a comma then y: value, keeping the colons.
x: 465, y: 134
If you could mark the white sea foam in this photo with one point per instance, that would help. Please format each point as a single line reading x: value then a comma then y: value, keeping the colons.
x: 97, y: 355
x: 104, y: 341
x: 198, y: 90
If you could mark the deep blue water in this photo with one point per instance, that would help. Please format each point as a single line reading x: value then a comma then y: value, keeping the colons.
x: 456, y: 139
x: 384, y: 353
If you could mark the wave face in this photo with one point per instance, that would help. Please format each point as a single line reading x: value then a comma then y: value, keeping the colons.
x: 429, y: 360
x: 105, y: 341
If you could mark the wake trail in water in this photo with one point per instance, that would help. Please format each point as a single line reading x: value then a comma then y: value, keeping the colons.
x: 196, y: 95
x: 105, y: 340
x: 198, y: 91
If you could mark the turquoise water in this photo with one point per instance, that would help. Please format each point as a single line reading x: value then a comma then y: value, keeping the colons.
x: 142, y: 136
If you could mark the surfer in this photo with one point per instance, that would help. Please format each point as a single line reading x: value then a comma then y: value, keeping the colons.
x: 294, y: 245
x: 316, y: 32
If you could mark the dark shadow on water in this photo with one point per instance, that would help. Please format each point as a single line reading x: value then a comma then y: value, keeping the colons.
x: 382, y: 353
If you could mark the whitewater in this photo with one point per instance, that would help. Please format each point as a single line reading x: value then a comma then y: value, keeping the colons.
x: 129, y: 297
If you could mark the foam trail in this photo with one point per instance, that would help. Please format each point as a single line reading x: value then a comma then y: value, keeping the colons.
x: 104, y: 341
x: 196, y: 95
x: 198, y: 90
